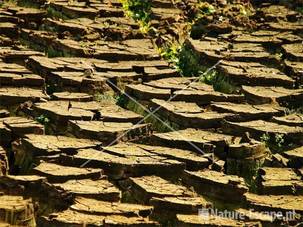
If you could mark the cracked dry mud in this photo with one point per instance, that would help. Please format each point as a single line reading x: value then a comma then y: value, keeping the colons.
x: 79, y: 147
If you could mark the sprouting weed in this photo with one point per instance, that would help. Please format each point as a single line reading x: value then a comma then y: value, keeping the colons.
x: 42, y: 119
x: 188, y: 63
x: 275, y: 143
x: 140, y: 11
x: 121, y: 100
x: 265, y: 138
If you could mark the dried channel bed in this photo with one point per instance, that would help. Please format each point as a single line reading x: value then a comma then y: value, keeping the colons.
x: 75, y: 150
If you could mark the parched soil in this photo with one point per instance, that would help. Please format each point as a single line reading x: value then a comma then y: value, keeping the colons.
x: 101, y: 126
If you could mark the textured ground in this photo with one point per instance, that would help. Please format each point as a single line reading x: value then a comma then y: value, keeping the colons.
x: 96, y: 129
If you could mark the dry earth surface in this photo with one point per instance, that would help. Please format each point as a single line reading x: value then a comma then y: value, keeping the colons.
x: 98, y: 128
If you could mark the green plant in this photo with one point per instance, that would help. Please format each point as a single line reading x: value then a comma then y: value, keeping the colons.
x: 251, y: 177
x: 199, y: 19
x: 158, y: 124
x: 23, y: 3
x: 300, y: 9
x: 51, y: 52
x: 200, y: 11
x: 205, y: 8
x: 188, y: 63
x: 51, y: 12
x: 145, y: 27
x: 275, y: 143
x: 51, y: 88
x: 219, y: 82
x: 42, y: 119
x: 170, y: 52
x: 298, y: 111
x: 279, y: 139
x: 246, y: 168
x: 31, y: 45
x: 8, y: 3
x: 121, y: 100
x: 100, y: 97
x: 265, y: 138
x: 28, y: 4
x: 184, y: 59
x: 139, y: 10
